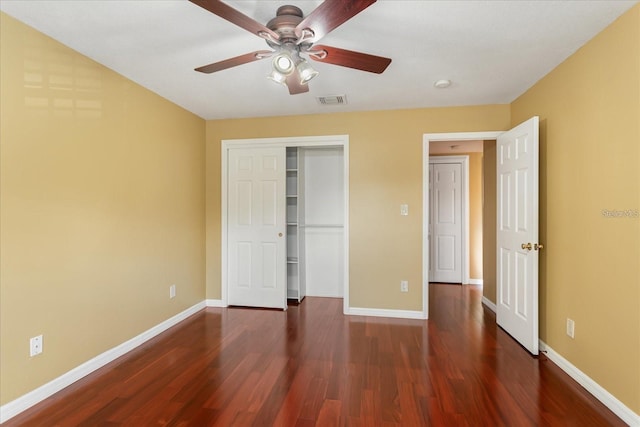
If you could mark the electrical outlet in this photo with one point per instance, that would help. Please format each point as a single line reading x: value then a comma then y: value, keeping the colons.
x: 172, y: 291
x: 404, y: 210
x: 404, y: 286
x: 35, y: 346
x: 571, y: 328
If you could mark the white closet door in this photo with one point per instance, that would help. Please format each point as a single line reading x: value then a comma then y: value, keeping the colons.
x: 324, y: 221
x: 256, y: 224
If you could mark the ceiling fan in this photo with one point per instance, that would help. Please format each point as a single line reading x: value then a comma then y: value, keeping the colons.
x: 291, y: 36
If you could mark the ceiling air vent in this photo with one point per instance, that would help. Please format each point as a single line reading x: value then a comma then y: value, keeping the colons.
x: 332, y: 100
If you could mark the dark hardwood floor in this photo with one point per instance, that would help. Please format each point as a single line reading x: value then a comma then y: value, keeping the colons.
x: 312, y: 366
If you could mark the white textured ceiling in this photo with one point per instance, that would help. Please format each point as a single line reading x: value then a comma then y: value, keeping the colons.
x: 492, y: 51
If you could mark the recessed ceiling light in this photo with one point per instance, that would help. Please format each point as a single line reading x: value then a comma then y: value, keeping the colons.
x: 441, y: 84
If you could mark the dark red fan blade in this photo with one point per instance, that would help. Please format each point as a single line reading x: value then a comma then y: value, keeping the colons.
x: 230, y: 14
x: 351, y: 59
x: 233, y: 62
x: 330, y: 15
x: 294, y: 85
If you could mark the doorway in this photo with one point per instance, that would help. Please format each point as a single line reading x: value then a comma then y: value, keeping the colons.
x: 446, y: 139
x: 284, y: 224
x: 516, y: 227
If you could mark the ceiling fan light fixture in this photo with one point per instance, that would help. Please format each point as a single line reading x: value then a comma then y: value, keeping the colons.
x: 277, y: 77
x: 283, y: 63
x: 306, y: 72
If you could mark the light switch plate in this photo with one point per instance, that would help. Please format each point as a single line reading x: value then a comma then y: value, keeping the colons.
x: 404, y: 210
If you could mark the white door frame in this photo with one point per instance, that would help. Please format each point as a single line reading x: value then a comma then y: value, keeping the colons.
x: 426, y: 139
x: 463, y: 160
x: 305, y: 141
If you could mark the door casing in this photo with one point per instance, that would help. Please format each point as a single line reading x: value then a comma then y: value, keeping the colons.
x: 307, y: 141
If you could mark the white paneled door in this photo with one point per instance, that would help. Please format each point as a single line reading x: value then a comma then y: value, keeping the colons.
x: 446, y: 222
x: 517, y: 241
x: 256, y: 225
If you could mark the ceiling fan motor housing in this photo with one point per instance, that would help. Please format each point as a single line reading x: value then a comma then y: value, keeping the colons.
x: 284, y: 24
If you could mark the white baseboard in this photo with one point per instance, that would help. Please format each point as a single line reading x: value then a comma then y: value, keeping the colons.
x: 476, y: 282
x: 490, y: 305
x: 215, y: 303
x: 26, y: 401
x: 617, y: 407
x: 381, y: 312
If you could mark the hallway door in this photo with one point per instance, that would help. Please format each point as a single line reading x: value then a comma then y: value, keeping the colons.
x: 445, y: 180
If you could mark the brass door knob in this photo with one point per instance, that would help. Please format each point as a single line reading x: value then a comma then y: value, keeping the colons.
x: 526, y: 246
x: 538, y: 246
x: 279, y: 234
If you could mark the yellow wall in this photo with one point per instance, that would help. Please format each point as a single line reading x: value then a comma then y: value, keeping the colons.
x: 589, y: 108
x: 475, y: 216
x: 475, y: 213
x: 101, y: 208
x: 489, y: 204
x: 385, y: 171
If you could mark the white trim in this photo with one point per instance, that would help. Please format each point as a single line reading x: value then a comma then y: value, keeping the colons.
x: 490, y: 304
x: 223, y: 222
x: 345, y: 234
x: 214, y: 303
x: 425, y: 227
x: 462, y: 136
x: 426, y: 139
x: 26, y: 401
x: 599, y: 392
x: 477, y: 282
x: 382, y: 312
x: 303, y: 141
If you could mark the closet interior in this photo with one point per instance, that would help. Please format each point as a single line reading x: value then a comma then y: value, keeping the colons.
x: 315, y: 222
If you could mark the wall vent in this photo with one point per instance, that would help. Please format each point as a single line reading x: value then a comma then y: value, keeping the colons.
x: 332, y: 100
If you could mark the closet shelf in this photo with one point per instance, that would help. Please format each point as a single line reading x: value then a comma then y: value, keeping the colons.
x: 322, y: 225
